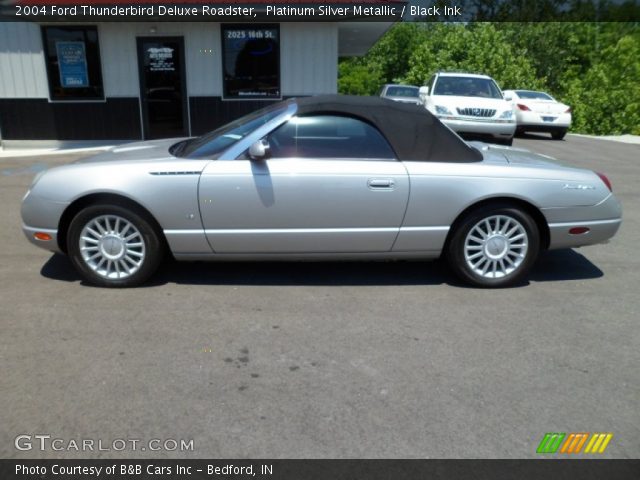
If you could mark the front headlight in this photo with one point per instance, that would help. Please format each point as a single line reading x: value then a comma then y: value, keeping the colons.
x: 440, y: 110
x: 507, y: 115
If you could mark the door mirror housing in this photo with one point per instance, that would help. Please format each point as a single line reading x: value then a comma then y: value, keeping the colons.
x: 508, y: 97
x: 423, y: 91
x: 259, y: 150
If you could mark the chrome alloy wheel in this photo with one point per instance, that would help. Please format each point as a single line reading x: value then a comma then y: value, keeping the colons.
x: 496, y: 246
x: 112, y: 247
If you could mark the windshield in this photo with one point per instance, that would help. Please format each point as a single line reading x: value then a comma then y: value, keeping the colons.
x: 402, y: 91
x: 467, y: 87
x: 526, y: 94
x: 214, y: 143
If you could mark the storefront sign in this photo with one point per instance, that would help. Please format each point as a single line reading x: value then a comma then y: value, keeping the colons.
x: 161, y: 59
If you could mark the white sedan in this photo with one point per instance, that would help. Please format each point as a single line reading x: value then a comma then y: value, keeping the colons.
x: 539, y: 112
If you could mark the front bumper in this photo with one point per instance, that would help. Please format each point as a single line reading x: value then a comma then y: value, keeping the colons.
x: 51, y: 245
x: 495, y: 128
x: 41, y: 215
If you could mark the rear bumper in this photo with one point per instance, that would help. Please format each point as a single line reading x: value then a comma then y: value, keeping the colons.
x: 599, y: 232
x: 533, y: 120
x: 609, y: 218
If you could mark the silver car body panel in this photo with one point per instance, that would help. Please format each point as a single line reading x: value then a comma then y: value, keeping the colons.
x: 296, y: 208
x: 303, y: 205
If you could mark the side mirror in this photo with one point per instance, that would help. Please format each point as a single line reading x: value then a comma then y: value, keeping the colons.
x: 508, y: 97
x: 259, y: 150
x: 423, y: 91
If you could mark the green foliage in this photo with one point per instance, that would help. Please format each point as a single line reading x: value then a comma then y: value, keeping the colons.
x: 606, y: 99
x: 594, y: 67
x: 355, y: 77
x: 475, y: 48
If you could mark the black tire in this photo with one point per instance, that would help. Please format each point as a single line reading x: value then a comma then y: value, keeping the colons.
x: 558, y: 134
x: 455, y: 249
x: 147, y: 241
x: 519, y: 132
x: 504, y: 141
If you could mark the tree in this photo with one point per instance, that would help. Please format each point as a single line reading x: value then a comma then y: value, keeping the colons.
x: 475, y: 48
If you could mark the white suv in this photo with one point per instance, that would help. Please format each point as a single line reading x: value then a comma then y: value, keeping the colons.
x: 471, y: 105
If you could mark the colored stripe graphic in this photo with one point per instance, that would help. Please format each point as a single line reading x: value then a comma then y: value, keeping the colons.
x: 550, y: 442
x: 574, y: 442
x: 598, y: 443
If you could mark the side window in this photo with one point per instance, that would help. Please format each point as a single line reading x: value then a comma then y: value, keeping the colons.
x: 328, y: 136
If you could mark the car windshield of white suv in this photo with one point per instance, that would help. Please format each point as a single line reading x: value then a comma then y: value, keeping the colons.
x: 467, y: 87
x: 528, y: 95
x: 411, y: 92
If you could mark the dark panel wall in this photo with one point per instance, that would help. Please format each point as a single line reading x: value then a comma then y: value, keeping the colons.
x: 115, y: 119
x: 209, y: 113
x: 39, y: 119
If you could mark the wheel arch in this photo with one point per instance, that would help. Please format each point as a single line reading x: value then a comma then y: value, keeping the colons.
x: 527, y: 207
x: 108, y: 199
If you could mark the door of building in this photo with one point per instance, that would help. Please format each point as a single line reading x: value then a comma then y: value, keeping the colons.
x: 162, y: 87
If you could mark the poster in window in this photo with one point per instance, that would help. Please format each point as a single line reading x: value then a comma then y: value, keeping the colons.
x: 161, y: 59
x: 72, y: 62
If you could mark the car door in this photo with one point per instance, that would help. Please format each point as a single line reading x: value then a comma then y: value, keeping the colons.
x: 330, y: 184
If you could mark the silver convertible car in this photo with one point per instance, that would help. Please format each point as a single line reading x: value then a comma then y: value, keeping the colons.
x: 327, y: 177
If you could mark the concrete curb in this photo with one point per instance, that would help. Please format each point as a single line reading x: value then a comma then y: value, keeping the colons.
x: 632, y: 139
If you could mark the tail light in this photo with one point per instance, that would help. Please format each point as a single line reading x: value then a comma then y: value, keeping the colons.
x: 524, y: 108
x: 568, y: 110
x: 605, y: 180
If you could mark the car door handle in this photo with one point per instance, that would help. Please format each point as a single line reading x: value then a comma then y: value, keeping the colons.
x: 381, y: 184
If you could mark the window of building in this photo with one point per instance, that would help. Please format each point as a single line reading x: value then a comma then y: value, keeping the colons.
x: 328, y: 136
x: 251, y: 61
x: 72, y: 56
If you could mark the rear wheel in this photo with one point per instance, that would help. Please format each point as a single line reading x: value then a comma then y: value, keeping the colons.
x: 112, y: 246
x: 494, y: 246
x: 558, y: 134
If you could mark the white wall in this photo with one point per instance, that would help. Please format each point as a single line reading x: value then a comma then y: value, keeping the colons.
x: 22, y: 67
x: 308, y: 57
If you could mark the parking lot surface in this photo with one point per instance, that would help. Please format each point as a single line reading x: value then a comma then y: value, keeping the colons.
x: 324, y: 360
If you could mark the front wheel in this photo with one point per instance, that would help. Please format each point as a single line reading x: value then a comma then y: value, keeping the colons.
x: 494, y: 246
x: 112, y: 246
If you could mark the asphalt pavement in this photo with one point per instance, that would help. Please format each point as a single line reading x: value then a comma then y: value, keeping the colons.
x: 323, y: 360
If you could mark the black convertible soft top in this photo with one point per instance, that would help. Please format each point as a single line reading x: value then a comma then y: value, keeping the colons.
x: 413, y: 132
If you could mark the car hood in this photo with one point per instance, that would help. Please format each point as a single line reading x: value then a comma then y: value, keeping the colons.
x: 147, y: 150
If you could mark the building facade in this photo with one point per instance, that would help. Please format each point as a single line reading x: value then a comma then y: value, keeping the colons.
x: 140, y: 80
